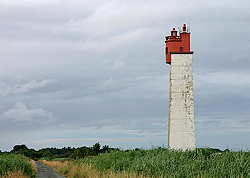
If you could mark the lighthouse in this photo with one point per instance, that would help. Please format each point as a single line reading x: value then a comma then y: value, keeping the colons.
x: 181, y: 124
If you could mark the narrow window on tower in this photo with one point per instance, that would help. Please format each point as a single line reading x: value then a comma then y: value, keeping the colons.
x: 181, y: 49
x: 166, y: 50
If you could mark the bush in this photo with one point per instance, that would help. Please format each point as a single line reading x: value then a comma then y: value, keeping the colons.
x: 14, y: 162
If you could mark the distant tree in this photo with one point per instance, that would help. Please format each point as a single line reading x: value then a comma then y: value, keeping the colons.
x: 77, y: 154
x: 105, y: 149
x: 19, y: 148
x: 23, y: 149
x: 137, y: 149
x: 85, y: 151
x: 81, y: 152
x: 96, y: 148
x: 47, y: 154
x: 64, y: 152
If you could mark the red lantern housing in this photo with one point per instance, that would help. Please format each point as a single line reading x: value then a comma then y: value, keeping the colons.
x: 177, y: 44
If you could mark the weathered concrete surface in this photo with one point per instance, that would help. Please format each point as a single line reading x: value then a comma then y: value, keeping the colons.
x: 181, y: 125
x: 46, y: 172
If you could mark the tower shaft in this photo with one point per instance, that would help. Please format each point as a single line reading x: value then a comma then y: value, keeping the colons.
x: 181, y: 125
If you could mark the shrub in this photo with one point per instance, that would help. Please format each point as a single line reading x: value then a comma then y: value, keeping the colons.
x: 13, y: 162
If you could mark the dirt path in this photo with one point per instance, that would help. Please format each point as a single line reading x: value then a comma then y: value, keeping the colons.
x: 46, y: 172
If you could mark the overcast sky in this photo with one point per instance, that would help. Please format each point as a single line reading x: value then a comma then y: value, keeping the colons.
x: 73, y: 73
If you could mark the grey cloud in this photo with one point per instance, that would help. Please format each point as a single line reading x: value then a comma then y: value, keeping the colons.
x: 113, y: 42
x: 24, y: 88
x: 101, y: 64
x: 25, y: 115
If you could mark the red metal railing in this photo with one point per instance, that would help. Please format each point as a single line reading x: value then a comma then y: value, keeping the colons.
x: 173, y: 37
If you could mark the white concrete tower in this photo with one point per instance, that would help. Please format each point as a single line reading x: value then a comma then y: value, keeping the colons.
x: 181, y: 125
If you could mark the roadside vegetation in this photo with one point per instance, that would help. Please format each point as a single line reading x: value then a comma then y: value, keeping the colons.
x: 159, y: 162
x: 14, y: 165
x: 81, y: 169
x: 162, y: 162
x: 101, y: 162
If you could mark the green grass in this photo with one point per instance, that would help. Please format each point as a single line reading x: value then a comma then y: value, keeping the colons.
x: 58, y: 159
x: 162, y: 162
x: 15, y: 162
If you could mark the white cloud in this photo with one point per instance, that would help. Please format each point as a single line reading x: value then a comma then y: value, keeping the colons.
x: 118, y: 64
x: 24, y: 88
x: 119, y: 16
x: 23, y: 114
x: 109, y: 83
x: 114, y: 41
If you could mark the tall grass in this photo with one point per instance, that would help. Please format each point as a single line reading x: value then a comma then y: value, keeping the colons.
x: 13, y: 165
x: 159, y: 162
x: 80, y: 169
x: 162, y: 162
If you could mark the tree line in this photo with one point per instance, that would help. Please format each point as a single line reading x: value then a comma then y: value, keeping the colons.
x: 65, y: 152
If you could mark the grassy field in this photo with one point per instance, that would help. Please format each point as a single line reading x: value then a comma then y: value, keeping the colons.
x: 14, y: 165
x: 159, y: 162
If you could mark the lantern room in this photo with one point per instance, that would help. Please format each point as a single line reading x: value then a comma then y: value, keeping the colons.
x: 177, y: 44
